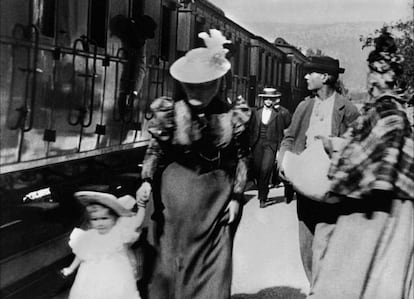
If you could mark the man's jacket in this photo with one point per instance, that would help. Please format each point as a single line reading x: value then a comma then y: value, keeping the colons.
x: 279, y: 120
x: 344, y: 113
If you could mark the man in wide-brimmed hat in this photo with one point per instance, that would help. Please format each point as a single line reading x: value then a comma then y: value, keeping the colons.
x: 323, y: 115
x: 266, y: 132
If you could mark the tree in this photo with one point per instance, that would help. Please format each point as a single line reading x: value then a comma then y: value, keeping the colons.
x: 403, y: 33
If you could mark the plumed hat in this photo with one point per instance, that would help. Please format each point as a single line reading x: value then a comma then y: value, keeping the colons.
x: 323, y: 64
x: 203, y: 64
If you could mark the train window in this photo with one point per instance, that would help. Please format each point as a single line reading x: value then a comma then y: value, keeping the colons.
x: 276, y: 71
x: 236, y: 56
x: 297, y: 75
x: 43, y: 16
x: 165, y: 33
x: 259, y: 71
x: 267, y: 69
x: 272, y: 71
x: 279, y: 73
x: 287, y: 72
x: 293, y: 74
x: 71, y: 22
x: 199, y: 27
x: 277, y: 79
x: 246, y: 60
x: 97, y: 21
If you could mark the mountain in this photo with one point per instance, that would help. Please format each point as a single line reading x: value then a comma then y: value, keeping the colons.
x: 340, y: 40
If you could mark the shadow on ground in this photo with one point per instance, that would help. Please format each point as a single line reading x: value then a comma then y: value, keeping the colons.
x: 248, y: 197
x: 277, y: 199
x: 273, y: 293
x: 271, y: 200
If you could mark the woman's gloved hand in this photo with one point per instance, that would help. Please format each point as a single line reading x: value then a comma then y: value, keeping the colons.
x: 144, y: 192
x: 233, y: 208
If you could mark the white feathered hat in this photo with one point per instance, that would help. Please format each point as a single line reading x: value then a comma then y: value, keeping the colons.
x: 203, y: 64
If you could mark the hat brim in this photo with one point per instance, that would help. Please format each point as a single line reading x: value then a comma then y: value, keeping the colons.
x: 318, y: 68
x: 105, y: 199
x: 277, y: 95
x: 195, y: 71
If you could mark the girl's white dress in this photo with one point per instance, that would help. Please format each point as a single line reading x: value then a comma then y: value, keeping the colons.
x: 105, y: 271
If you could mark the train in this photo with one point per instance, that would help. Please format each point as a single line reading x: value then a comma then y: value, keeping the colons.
x: 77, y: 81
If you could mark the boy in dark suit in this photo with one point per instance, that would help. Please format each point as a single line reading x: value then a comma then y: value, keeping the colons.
x: 266, y: 132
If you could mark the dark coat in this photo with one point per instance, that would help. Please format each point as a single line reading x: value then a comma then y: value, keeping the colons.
x: 278, y: 122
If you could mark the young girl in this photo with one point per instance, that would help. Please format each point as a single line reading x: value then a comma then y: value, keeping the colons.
x: 101, y: 251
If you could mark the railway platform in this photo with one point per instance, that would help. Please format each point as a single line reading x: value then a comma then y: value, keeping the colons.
x: 266, y: 255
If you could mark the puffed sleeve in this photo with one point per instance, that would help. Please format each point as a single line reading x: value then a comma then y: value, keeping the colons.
x: 75, y: 240
x: 127, y: 229
x: 161, y: 128
x: 241, y: 117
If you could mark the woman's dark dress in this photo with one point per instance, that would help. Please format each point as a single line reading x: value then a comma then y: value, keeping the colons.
x: 207, y: 169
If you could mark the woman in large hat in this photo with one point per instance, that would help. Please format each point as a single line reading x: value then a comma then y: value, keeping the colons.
x: 202, y: 137
x: 367, y: 250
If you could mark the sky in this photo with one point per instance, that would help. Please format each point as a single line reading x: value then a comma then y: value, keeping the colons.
x: 315, y: 11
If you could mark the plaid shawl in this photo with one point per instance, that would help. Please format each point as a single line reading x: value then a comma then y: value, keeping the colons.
x: 378, y: 154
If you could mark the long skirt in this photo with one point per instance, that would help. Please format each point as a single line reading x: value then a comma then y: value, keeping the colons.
x: 194, y: 250
x: 365, y: 255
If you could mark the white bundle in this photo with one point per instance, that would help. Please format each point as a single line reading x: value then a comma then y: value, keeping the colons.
x: 308, y: 171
